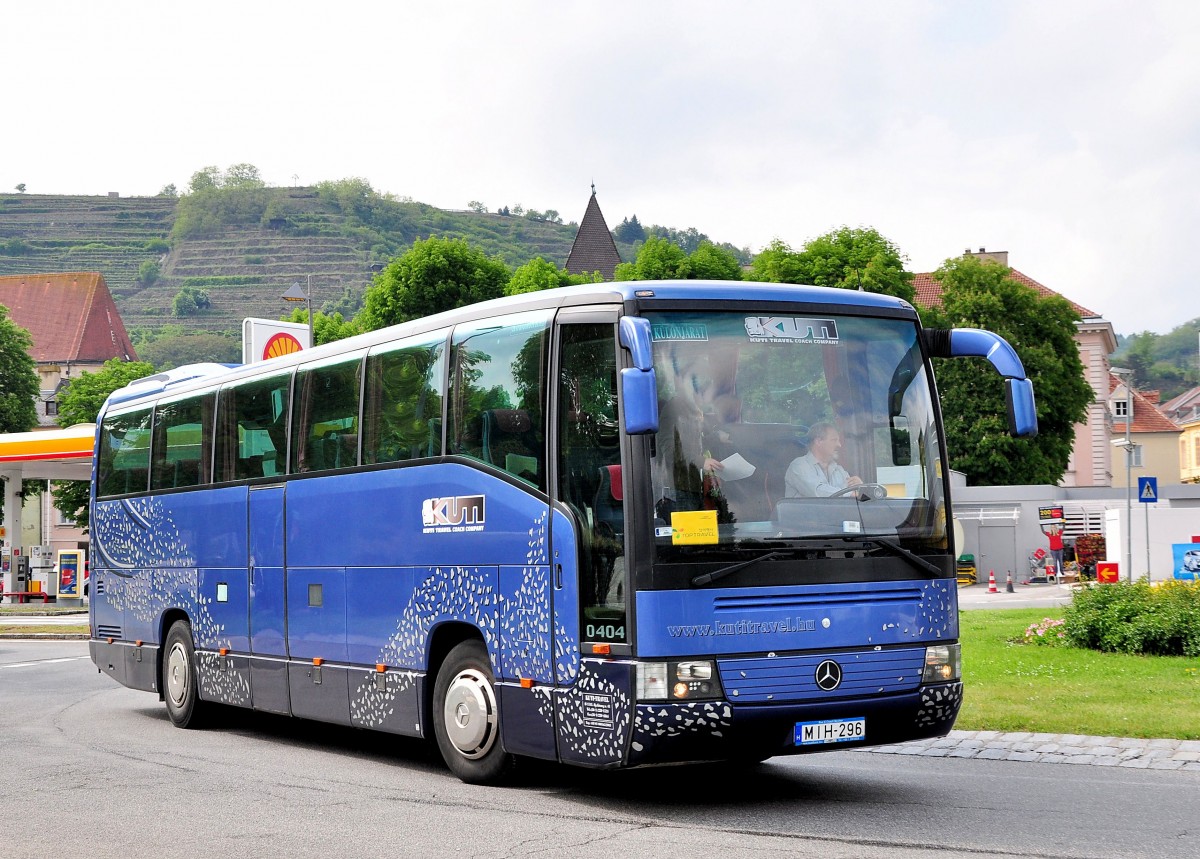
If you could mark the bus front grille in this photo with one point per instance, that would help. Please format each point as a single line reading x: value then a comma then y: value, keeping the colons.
x: 793, y: 679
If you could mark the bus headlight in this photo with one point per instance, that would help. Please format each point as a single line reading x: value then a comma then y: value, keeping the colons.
x: 677, y: 681
x: 943, y: 662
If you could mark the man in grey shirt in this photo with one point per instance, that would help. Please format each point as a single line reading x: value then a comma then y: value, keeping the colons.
x: 818, y: 473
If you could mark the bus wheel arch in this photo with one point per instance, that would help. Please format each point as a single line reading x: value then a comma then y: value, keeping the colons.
x: 168, y: 619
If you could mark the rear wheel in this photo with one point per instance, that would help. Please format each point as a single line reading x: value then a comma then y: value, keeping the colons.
x: 466, y: 716
x: 180, y: 689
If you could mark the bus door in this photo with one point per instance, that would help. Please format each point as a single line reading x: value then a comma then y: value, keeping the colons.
x: 268, y: 615
x: 588, y: 542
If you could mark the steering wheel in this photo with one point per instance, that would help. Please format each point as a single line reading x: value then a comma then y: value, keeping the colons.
x: 870, y: 491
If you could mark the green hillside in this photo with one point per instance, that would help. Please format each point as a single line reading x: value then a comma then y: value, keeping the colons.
x: 246, y: 249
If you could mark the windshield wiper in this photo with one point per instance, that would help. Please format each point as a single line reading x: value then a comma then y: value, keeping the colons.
x: 709, y: 578
x: 900, y: 552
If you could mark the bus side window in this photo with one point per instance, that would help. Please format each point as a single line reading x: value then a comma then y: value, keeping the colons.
x: 402, y: 416
x: 183, y: 443
x: 124, y: 465
x: 325, y: 420
x: 252, y: 428
x: 498, y: 394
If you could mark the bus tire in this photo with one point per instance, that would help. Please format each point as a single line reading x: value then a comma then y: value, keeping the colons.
x: 466, y: 716
x: 179, y: 682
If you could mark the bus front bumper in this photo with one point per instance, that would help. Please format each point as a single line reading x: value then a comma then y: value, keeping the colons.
x: 720, y: 730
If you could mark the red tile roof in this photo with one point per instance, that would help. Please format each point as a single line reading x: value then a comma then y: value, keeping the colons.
x: 71, y: 316
x: 1146, y: 415
x: 929, y: 291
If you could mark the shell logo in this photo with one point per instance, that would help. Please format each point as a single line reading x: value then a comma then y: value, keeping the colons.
x: 281, y: 344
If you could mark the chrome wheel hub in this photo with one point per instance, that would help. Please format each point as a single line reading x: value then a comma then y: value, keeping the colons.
x: 470, y: 714
x: 178, y: 676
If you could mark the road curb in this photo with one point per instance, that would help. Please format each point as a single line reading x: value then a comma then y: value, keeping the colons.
x: 1077, y: 749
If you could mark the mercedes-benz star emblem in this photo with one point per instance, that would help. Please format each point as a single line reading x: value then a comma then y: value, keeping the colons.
x: 829, y: 675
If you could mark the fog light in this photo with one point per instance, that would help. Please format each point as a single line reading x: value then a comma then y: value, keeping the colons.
x: 651, y: 681
x: 680, y: 690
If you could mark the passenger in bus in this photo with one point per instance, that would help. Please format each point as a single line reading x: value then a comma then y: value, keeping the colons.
x: 817, y: 473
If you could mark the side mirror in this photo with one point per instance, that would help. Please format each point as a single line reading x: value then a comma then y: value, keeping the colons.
x: 1022, y: 409
x: 639, y: 388
x: 639, y: 401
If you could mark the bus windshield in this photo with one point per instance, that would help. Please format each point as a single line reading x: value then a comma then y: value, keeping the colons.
x: 778, y: 430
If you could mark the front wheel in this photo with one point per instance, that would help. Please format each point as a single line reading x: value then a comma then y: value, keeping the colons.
x: 466, y: 716
x: 180, y: 689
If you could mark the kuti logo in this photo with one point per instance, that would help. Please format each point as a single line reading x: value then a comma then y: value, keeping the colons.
x: 454, y: 513
x: 792, y: 329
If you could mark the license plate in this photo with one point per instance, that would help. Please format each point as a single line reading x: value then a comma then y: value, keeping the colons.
x: 830, y: 731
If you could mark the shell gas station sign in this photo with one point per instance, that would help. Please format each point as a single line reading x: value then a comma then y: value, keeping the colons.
x: 263, y: 339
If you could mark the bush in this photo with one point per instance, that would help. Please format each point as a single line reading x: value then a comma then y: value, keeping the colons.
x: 158, y: 246
x: 1136, y: 618
x: 148, y: 272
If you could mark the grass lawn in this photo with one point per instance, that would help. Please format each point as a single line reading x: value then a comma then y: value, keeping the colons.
x: 31, y: 629
x: 1024, y: 687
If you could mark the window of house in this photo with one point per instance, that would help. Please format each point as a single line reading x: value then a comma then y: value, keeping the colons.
x: 1120, y: 408
x: 1136, y: 456
x: 51, y: 408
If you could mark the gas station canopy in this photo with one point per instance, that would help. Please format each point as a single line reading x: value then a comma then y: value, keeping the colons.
x: 59, y: 454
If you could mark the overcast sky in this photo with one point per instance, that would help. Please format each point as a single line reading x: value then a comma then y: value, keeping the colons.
x: 1063, y: 132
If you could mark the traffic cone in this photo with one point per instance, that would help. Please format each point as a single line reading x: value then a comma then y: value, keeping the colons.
x: 992, y: 589
x: 1008, y: 586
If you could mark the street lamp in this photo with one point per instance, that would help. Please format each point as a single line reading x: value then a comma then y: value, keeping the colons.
x: 1127, y: 443
x: 296, y: 293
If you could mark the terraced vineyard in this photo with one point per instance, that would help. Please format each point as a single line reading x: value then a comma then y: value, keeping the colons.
x: 244, y: 269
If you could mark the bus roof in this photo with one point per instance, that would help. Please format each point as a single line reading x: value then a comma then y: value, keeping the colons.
x: 639, y: 292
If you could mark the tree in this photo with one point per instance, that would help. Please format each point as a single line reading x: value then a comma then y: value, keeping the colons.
x: 21, y: 188
x: 981, y: 294
x: 777, y: 263
x: 168, y: 190
x: 661, y: 259
x: 148, y: 272
x: 709, y: 262
x: 80, y: 403
x: 190, y: 300
x: 538, y: 274
x: 629, y: 231
x: 477, y: 207
x: 846, y: 258
x: 433, y: 275
x: 18, y: 377
x: 327, y: 327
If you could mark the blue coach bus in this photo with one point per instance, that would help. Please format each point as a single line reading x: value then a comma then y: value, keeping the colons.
x: 572, y: 525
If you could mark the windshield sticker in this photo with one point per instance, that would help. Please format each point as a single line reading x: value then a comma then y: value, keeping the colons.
x: 679, y: 331
x: 694, y: 527
x: 452, y: 514
x: 792, y: 329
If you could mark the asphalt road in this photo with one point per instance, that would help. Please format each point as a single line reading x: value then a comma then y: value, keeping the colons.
x: 90, y: 768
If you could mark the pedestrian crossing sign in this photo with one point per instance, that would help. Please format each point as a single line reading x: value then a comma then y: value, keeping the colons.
x: 1147, y: 489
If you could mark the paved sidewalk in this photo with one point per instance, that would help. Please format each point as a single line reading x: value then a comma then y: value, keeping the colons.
x: 1056, y: 749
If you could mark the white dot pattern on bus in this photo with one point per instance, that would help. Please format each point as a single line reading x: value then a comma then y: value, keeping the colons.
x: 371, y: 706
x: 939, y: 704
x: 696, y: 717
x: 142, y: 533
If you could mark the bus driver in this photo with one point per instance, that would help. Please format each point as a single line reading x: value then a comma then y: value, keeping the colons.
x: 818, y: 473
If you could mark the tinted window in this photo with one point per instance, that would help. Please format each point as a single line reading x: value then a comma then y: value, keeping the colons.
x: 403, y: 413
x: 124, y: 453
x: 497, y: 394
x: 183, y: 443
x: 252, y: 428
x: 590, y: 475
x: 325, y: 432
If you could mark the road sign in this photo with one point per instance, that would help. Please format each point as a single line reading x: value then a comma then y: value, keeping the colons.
x: 1148, y: 490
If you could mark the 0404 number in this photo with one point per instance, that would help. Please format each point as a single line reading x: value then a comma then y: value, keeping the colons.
x: 604, y: 632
